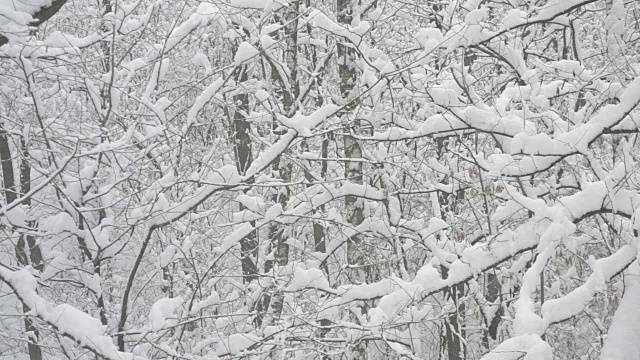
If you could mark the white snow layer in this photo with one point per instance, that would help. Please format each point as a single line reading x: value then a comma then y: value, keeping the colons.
x: 163, y: 310
x: 86, y: 330
x: 622, y: 340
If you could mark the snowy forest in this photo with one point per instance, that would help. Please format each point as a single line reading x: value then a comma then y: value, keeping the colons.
x: 319, y: 179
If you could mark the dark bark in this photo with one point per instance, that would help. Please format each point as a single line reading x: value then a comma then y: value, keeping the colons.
x: 127, y: 291
x: 453, y: 333
x: 7, y: 167
x: 242, y: 146
x: 494, y: 292
x: 284, y: 171
x: 40, y: 16
x: 359, y: 272
x: 34, y: 256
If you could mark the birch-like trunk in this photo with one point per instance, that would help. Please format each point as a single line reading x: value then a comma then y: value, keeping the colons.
x: 242, y: 146
x: 354, y: 206
x: 290, y: 92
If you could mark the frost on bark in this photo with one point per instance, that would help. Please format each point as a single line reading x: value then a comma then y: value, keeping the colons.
x: 354, y: 206
x: 107, y: 64
x: 242, y: 146
x: 281, y: 168
x: 614, y: 25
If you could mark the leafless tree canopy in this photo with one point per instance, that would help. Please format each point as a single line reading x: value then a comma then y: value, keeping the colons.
x: 319, y: 179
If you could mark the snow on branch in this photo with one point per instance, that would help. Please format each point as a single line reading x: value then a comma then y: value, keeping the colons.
x: 68, y: 321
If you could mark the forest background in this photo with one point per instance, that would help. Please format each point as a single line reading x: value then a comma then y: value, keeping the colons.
x: 312, y: 179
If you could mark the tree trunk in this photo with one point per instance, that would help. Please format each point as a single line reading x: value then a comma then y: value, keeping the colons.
x: 284, y: 171
x: 354, y: 206
x: 34, y: 257
x: 244, y: 157
x: 453, y: 333
x: 7, y: 167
